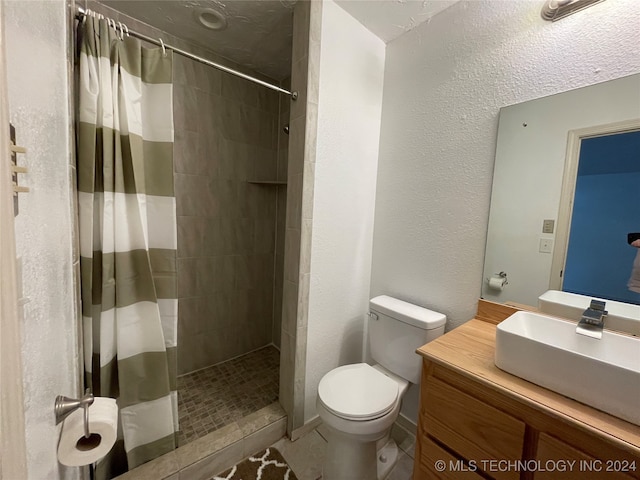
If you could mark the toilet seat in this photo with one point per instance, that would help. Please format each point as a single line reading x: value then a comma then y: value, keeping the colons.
x: 358, y: 392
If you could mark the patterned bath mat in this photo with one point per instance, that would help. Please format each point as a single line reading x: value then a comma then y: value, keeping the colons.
x: 265, y: 465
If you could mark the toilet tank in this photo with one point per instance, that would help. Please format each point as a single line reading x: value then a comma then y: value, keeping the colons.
x: 397, y: 329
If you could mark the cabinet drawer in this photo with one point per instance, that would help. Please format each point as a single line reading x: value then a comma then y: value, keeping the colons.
x: 425, y: 467
x: 471, y: 428
x: 585, y: 466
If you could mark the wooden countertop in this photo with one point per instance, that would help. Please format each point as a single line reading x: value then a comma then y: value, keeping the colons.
x: 469, y: 350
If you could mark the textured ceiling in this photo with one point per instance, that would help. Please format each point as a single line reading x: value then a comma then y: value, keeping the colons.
x: 258, y: 35
x: 259, y: 32
x: 388, y: 19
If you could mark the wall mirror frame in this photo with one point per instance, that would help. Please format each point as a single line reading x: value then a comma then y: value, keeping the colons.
x: 535, y: 142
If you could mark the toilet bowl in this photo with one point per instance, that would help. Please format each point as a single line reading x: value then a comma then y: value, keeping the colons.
x: 359, y: 403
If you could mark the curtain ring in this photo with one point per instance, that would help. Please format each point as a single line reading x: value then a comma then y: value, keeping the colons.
x: 126, y: 29
x: 164, y: 50
x: 121, y: 30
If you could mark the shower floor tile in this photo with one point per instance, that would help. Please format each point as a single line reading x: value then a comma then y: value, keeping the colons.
x: 216, y: 396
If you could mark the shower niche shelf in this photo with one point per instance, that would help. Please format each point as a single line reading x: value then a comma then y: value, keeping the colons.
x: 267, y: 182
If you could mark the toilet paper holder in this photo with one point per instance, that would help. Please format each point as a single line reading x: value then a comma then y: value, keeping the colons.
x: 503, y: 275
x: 65, y: 406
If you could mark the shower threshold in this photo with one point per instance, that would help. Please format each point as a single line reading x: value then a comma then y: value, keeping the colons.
x: 217, y: 451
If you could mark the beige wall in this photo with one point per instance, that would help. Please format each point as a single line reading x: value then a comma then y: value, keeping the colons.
x: 38, y: 89
x: 13, y: 455
x: 350, y: 91
x: 445, y: 82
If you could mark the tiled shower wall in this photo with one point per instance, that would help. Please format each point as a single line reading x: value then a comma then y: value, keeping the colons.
x: 281, y: 214
x: 226, y: 136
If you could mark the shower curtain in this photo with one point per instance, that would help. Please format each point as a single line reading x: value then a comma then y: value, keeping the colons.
x: 127, y: 235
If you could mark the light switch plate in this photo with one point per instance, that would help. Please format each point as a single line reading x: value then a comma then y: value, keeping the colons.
x: 547, y: 226
x: 546, y: 245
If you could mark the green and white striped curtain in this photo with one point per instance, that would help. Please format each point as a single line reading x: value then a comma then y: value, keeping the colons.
x: 128, y: 241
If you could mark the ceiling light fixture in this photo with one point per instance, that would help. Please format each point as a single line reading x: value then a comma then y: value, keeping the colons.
x: 556, y: 9
x: 210, y: 18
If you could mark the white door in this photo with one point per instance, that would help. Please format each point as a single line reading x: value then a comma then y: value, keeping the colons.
x: 12, y: 435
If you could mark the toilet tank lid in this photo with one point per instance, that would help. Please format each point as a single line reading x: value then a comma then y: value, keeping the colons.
x: 407, y: 312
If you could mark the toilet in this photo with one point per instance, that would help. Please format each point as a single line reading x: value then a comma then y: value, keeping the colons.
x: 359, y: 403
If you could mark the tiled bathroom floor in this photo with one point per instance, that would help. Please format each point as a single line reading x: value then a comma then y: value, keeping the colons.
x: 219, y: 395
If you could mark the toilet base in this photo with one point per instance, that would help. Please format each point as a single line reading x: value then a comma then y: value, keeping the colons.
x: 387, y: 458
x: 349, y: 460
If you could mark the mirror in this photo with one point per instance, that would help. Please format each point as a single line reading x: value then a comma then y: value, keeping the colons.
x: 537, y: 158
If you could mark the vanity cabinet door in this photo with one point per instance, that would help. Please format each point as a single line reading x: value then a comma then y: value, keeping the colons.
x: 585, y: 466
x: 434, y: 462
x: 473, y: 429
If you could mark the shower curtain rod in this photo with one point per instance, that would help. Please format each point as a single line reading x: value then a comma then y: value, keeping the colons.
x: 81, y: 13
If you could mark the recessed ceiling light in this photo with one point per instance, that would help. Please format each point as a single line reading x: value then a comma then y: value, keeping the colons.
x: 210, y: 18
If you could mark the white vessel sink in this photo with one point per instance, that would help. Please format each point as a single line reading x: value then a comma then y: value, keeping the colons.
x: 623, y: 317
x: 547, y: 351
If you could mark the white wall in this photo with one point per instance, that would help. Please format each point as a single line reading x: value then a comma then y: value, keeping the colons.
x: 527, y: 181
x: 445, y: 82
x: 38, y: 88
x: 350, y: 97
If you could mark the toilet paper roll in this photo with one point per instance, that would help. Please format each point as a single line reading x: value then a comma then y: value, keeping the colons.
x: 74, y: 450
x: 497, y: 283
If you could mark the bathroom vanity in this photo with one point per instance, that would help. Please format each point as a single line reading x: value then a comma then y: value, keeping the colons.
x: 477, y: 421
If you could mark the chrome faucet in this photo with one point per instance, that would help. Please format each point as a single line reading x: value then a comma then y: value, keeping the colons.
x: 592, y: 321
